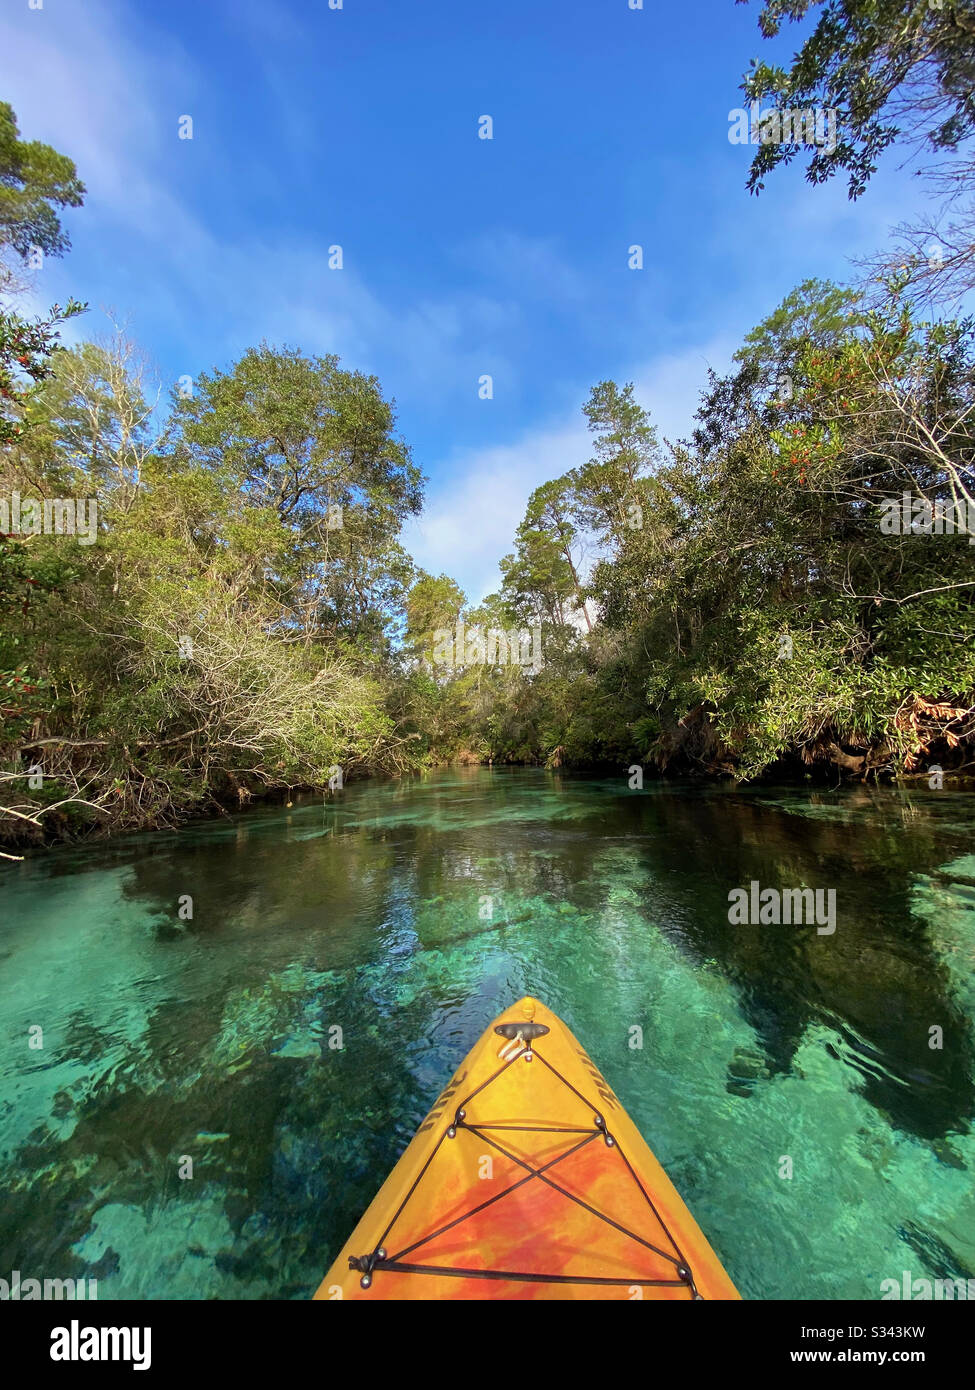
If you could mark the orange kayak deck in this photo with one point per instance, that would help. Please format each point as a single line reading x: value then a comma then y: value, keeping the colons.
x: 527, y: 1180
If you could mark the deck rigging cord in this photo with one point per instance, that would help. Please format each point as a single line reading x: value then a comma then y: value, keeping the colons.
x: 380, y: 1260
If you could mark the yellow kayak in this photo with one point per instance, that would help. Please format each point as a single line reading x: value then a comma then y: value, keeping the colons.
x: 527, y: 1180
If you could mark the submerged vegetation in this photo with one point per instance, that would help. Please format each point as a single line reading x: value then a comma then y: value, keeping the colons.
x: 790, y: 588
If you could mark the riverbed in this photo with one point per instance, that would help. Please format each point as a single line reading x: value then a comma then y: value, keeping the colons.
x: 214, y: 1043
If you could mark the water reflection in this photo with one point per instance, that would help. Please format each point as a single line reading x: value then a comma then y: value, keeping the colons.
x: 408, y: 914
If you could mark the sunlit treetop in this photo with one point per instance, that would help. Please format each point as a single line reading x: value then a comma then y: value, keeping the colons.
x: 35, y: 180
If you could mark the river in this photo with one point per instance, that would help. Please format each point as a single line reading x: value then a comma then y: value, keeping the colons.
x: 407, y: 914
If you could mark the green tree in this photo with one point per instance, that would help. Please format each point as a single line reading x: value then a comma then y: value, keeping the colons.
x: 179, y: 662
x: 314, y: 445
x: 892, y: 70
x: 553, y: 562
x: 35, y: 181
x: 540, y: 583
x: 433, y: 604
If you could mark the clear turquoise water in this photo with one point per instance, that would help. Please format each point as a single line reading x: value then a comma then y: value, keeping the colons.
x: 208, y: 1039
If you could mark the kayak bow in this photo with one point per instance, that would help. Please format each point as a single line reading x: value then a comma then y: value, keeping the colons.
x: 527, y: 1180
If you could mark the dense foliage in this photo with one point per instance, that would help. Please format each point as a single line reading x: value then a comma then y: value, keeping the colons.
x: 234, y: 612
x: 229, y: 628
x: 759, y: 600
x: 892, y: 73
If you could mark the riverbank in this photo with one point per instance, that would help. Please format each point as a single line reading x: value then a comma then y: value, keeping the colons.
x: 18, y: 840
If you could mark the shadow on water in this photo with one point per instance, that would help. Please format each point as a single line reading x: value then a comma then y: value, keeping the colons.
x: 876, y: 978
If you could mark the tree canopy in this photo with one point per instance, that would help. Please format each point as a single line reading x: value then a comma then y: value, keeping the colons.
x: 778, y: 593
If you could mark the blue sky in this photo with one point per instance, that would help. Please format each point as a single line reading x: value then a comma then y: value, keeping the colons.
x: 358, y: 127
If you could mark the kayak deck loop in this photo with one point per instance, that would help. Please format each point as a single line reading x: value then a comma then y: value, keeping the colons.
x: 528, y: 1031
x: 504, y: 1191
x: 380, y: 1261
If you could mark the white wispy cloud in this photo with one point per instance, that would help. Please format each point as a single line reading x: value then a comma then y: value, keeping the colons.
x: 113, y: 106
x: 83, y: 78
x: 531, y: 266
x: 470, y: 521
